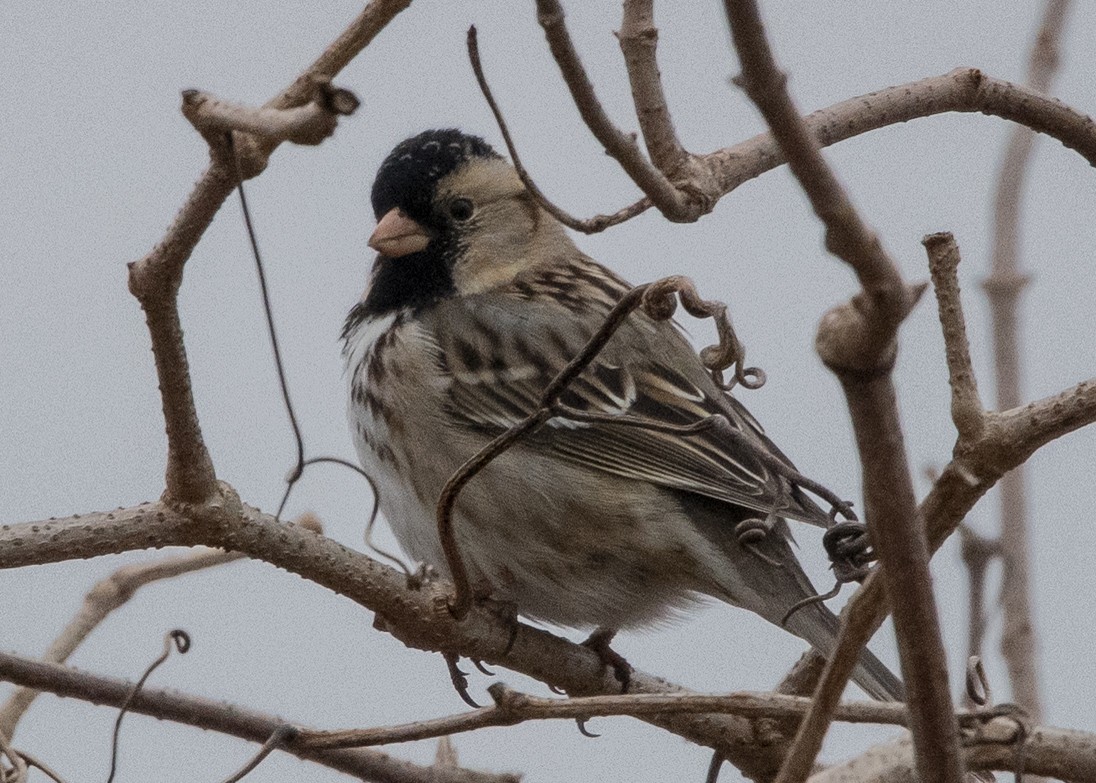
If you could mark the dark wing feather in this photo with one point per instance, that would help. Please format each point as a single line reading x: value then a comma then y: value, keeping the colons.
x: 502, y: 348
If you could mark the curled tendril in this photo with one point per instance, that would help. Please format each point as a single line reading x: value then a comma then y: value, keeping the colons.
x: 751, y: 532
x: 177, y: 638
x: 660, y: 303
x: 849, y: 548
x: 279, y: 738
x: 810, y: 601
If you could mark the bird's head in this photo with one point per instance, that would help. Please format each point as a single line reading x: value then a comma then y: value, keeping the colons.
x: 453, y: 218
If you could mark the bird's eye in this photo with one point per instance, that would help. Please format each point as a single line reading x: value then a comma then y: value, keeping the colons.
x: 461, y: 209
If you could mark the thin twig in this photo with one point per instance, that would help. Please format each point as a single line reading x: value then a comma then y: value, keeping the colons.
x: 674, y: 203
x: 176, y: 639
x: 513, y: 707
x: 230, y: 719
x: 1004, y: 287
x: 966, y: 405
x: 638, y: 38
x: 106, y: 596
x: 588, y: 225
x: 309, y: 123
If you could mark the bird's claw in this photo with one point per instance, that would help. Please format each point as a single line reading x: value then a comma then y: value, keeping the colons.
x: 459, y: 678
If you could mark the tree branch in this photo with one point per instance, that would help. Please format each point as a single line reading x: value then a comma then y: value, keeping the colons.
x: 674, y: 203
x: 857, y: 342
x: 418, y: 618
x: 512, y: 707
x: 1004, y: 287
x: 155, y: 279
x: 638, y: 38
x: 226, y: 719
x: 1063, y: 754
x: 106, y: 596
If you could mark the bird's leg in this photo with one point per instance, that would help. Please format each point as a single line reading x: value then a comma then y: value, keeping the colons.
x: 599, y: 642
x: 507, y: 611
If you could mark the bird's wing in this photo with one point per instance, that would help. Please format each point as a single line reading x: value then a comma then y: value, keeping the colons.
x: 500, y: 350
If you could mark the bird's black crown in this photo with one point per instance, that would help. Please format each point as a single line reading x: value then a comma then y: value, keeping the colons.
x: 407, y: 177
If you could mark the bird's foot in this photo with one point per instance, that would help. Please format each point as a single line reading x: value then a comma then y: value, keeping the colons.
x: 599, y: 642
x: 506, y: 611
x: 421, y: 576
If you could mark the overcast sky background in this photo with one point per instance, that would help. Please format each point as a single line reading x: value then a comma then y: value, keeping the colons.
x: 96, y: 159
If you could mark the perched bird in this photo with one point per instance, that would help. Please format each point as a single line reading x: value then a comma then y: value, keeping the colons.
x: 476, y: 300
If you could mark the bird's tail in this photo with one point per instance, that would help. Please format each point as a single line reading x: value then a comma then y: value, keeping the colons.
x: 818, y: 625
x: 765, y: 577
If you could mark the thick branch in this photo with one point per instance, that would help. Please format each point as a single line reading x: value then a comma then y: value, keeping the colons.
x: 226, y: 719
x: 857, y: 342
x: 419, y: 618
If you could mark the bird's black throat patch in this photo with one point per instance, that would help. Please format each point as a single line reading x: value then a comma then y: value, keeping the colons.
x: 414, y: 281
x: 408, y: 180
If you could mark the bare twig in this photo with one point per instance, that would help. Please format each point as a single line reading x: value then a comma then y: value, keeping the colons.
x: 961, y: 90
x: 589, y: 225
x: 309, y: 123
x: 966, y: 406
x: 857, y: 341
x: 512, y: 707
x: 964, y: 90
x: 1003, y: 287
x: 155, y: 279
x: 227, y: 719
x: 682, y: 205
x: 106, y: 596
x: 638, y: 38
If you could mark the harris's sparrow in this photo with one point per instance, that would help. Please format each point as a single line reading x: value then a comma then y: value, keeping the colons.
x: 477, y: 299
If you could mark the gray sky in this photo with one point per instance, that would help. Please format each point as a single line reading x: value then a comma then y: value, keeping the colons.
x: 96, y: 160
